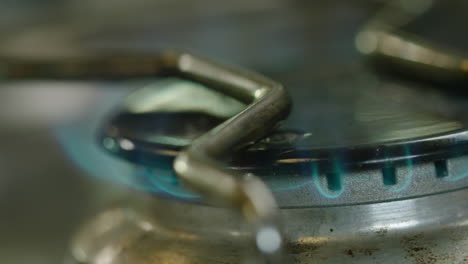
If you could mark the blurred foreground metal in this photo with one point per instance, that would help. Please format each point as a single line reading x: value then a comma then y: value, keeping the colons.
x: 198, y: 166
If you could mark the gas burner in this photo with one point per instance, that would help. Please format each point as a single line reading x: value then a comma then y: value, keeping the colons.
x: 401, y: 151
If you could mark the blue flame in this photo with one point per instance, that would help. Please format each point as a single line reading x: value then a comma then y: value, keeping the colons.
x: 315, y: 181
x: 82, y: 149
x: 168, y: 183
x: 318, y: 185
x: 91, y: 159
x: 78, y: 140
x: 409, y: 176
x: 291, y: 187
x: 456, y: 178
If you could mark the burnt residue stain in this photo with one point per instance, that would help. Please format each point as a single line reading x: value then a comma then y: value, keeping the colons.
x: 367, y: 251
x: 382, y: 231
x: 419, y: 250
x: 301, y: 248
x: 352, y: 252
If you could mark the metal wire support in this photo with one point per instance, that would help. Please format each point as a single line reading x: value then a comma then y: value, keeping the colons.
x: 383, y: 39
x: 198, y: 166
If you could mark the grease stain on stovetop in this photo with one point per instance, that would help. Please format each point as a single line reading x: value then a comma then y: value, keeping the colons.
x: 420, y: 250
x: 352, y: 252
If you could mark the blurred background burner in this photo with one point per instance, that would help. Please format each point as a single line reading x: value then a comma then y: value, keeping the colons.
x: 307, y: 46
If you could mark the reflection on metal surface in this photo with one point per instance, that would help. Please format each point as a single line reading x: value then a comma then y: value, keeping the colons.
x: 268, y: 239
x: 176, y: 95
